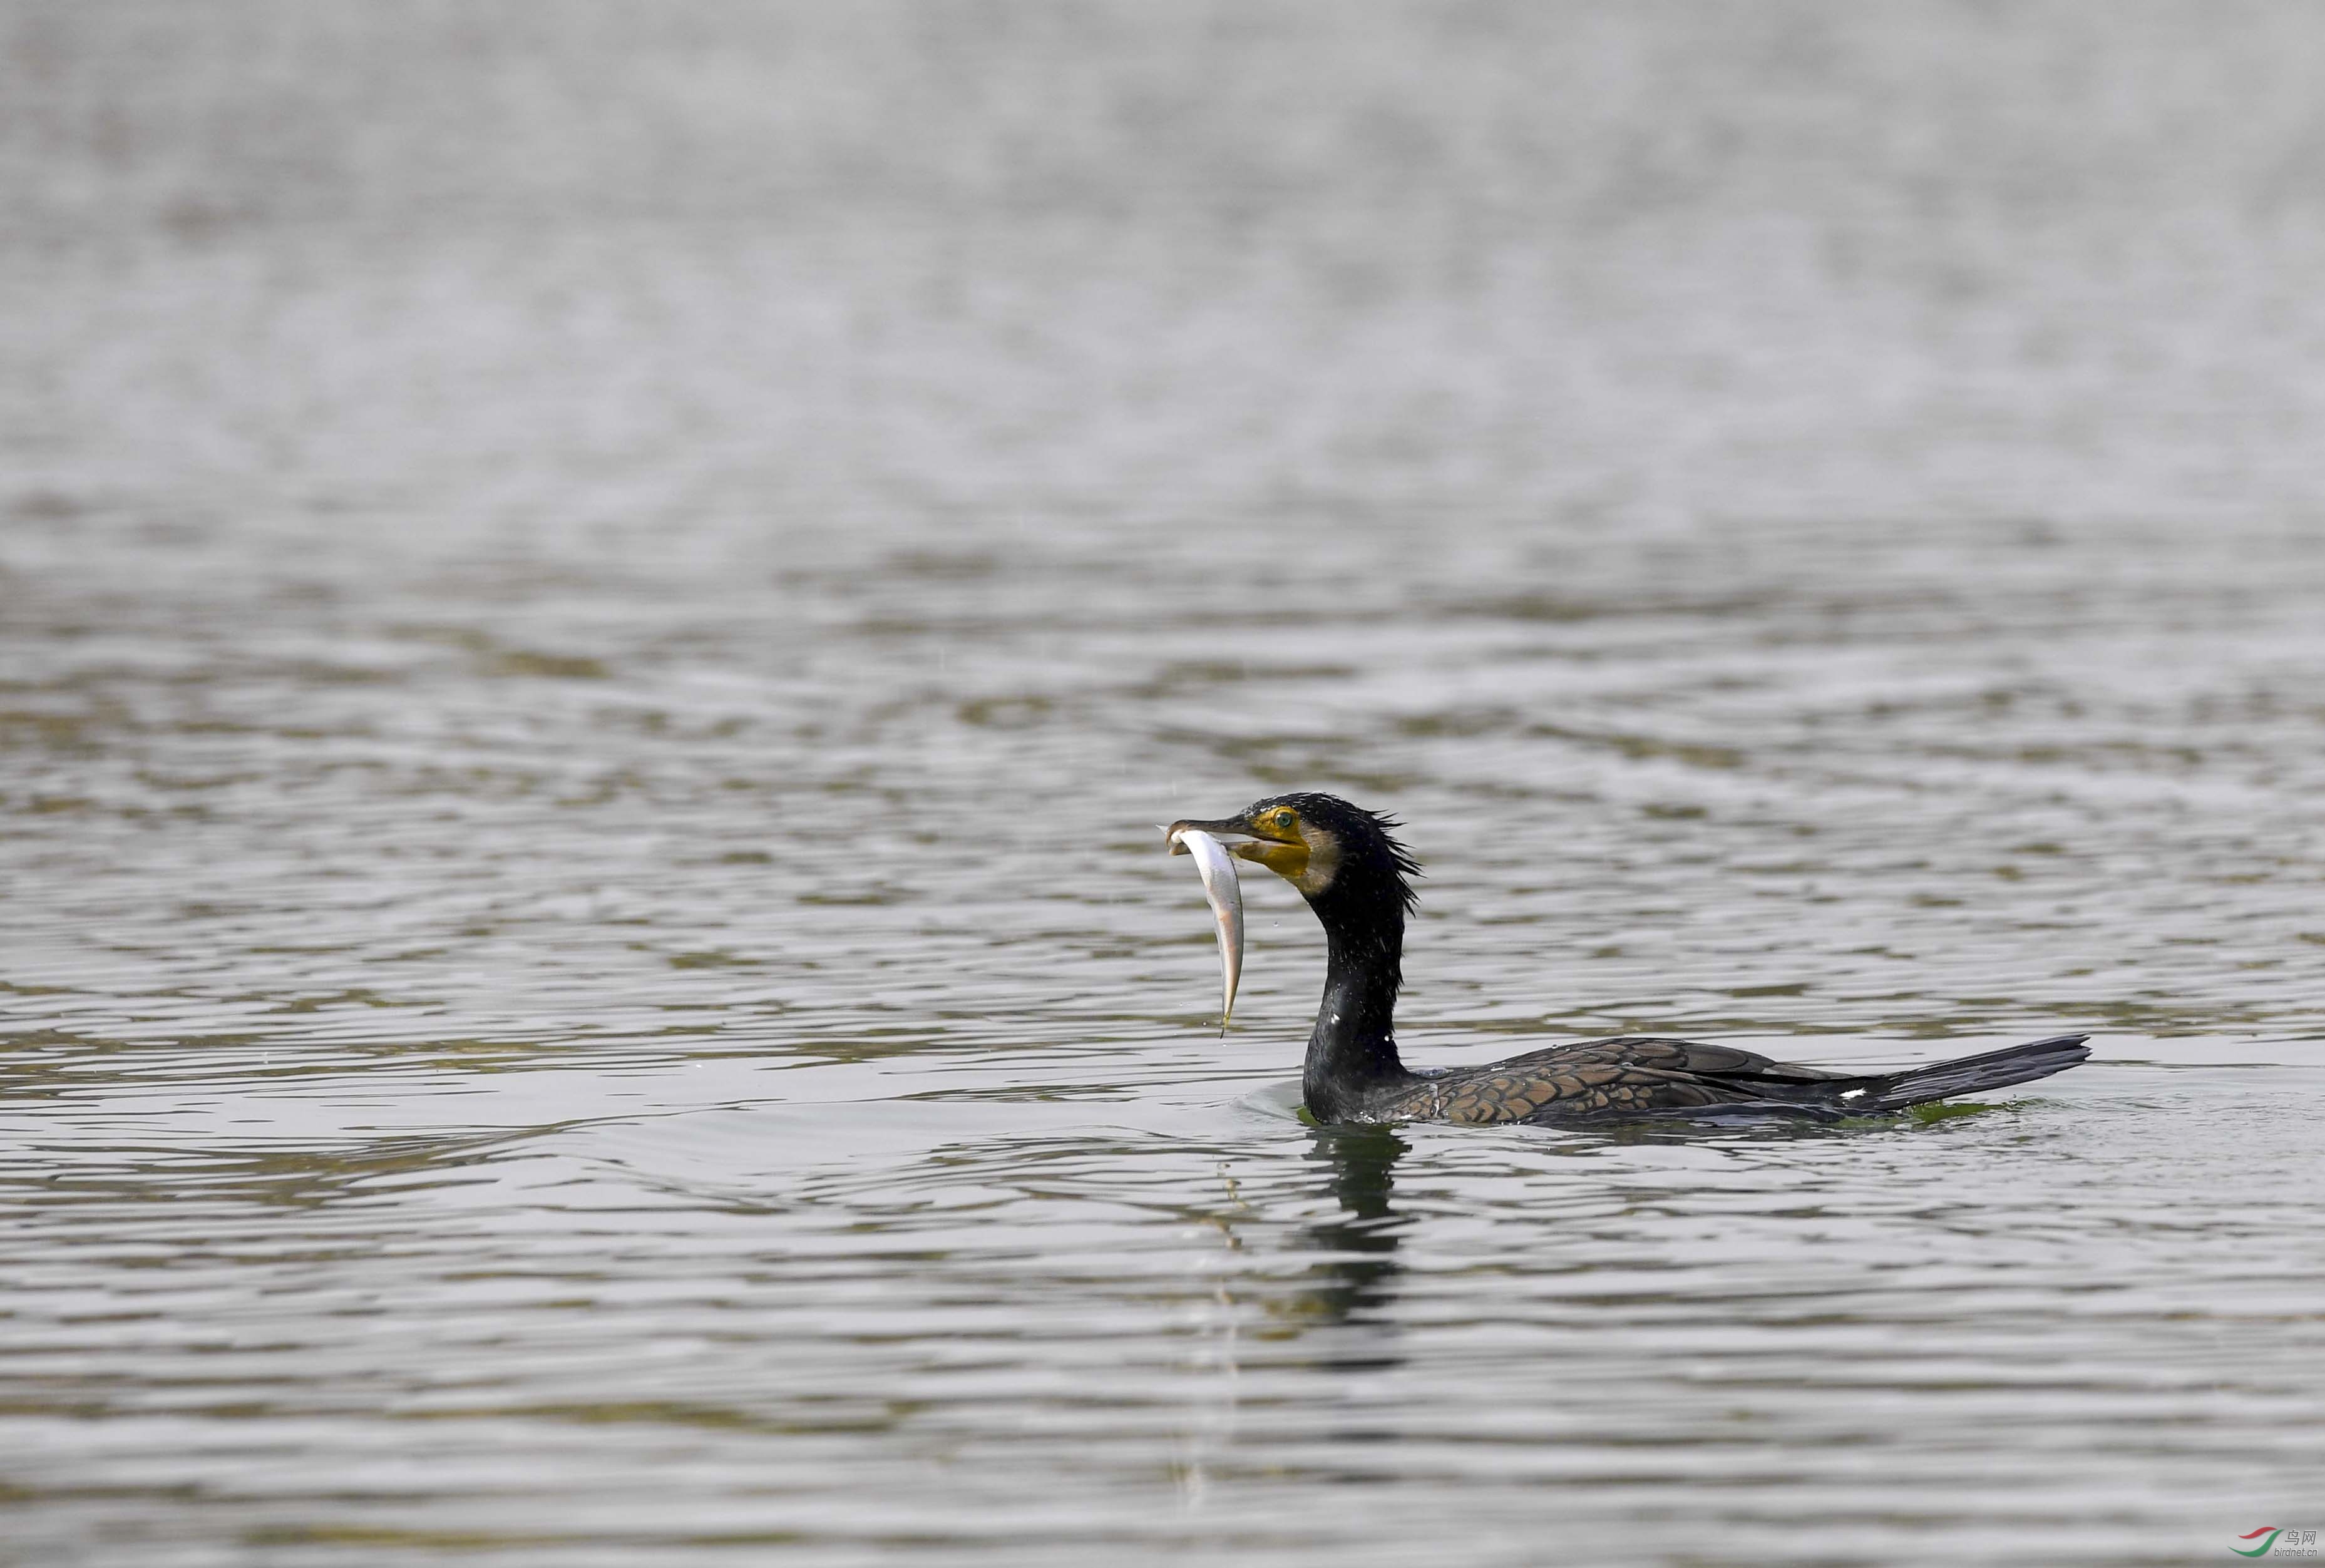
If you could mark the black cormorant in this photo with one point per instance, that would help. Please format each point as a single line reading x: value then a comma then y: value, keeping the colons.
x: 1356, y: 877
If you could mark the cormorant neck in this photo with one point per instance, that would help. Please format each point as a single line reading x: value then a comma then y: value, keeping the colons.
x: 1353, y: 1049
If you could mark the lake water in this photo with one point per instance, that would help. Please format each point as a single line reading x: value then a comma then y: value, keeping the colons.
x: 598, y: 605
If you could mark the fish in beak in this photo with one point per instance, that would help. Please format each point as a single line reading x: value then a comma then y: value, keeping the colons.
x: 1223, y: 888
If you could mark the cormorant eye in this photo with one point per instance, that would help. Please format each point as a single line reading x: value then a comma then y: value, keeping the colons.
x: 1285, y: 819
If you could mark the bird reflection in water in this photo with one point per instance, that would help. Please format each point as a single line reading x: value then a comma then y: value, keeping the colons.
x: 1355, y: 1282
x: 1344, y: 1299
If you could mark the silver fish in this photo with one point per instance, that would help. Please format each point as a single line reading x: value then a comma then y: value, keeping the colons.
x: 1224, y: 888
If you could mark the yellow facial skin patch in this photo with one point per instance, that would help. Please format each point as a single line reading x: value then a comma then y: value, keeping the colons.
x: 1283, y: 844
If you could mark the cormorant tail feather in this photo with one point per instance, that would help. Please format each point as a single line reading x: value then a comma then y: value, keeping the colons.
x: 1974, y: 1074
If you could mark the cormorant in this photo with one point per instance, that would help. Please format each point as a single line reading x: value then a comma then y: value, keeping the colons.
x: 1356, y: 877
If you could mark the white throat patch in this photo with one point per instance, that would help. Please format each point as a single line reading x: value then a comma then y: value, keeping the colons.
x: 1323, y: 861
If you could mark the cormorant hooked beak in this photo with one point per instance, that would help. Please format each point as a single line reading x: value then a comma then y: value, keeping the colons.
x: 1272, y: 840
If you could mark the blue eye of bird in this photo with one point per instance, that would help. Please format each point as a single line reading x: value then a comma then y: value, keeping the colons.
x: 1283, y: 819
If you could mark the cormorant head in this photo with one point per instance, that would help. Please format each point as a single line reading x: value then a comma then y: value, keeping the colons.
x: 1321, y: 845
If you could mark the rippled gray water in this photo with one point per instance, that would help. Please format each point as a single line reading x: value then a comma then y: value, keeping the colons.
x: 597, y: 606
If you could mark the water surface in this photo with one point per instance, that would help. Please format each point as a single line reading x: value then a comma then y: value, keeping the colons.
x: 587, y: 659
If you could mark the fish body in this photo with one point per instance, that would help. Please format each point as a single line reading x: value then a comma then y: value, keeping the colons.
x: 1224, y: 888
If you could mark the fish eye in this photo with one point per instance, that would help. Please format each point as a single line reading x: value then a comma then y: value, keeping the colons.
x: 1284, y: 819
